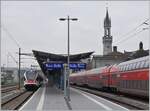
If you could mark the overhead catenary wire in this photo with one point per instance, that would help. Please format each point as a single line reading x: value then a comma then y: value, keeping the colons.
x: 13, y: 39
x: 13, y: 58
x: 130, y: 32
x: 133, y: 35
x: 10, y: 36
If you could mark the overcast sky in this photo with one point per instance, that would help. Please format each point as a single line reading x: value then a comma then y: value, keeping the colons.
x: 35, y: 25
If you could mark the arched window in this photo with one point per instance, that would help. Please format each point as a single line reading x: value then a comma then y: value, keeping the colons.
x: 107, y: 31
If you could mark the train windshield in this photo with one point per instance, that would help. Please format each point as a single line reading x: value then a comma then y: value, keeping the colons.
x: 31, y: 75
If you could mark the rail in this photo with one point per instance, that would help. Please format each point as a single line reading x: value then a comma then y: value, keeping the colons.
x: 15, y: 102
x: 8, y: 88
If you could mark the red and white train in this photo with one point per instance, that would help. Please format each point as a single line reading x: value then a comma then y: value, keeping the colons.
x: 32, y: 80
x: 130, y: 77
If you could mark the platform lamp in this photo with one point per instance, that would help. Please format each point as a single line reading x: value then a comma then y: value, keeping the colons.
x: 66, y: 75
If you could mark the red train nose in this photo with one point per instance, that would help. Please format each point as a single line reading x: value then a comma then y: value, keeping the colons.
x: 30, y: 81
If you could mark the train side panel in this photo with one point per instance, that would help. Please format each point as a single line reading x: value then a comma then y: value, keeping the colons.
x: 134, y: 82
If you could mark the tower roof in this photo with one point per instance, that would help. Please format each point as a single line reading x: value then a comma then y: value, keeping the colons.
x: 107, y: 15
x: 107, y: 21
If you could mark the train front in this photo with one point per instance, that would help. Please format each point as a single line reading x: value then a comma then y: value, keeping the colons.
x: 31, y: 80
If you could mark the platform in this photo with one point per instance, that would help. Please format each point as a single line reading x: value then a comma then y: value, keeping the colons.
x: 51, y: 98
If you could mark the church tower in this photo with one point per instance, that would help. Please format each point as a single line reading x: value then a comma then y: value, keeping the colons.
x: 107, y: 39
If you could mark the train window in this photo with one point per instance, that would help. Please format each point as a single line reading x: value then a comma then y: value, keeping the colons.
x: 31, y: 75
x: 134, y: 65
x: 127, y: 67
x: 142, y: 64
x: 120, y: 68
x: 123, y: 67
x: 130, y: 66
x: 146, y: 64
x: 138, y: 65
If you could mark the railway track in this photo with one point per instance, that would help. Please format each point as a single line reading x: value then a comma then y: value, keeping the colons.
x: 15, y: 102
x: 8, y: 85
x: 133, y: 104
x: 5, y: 89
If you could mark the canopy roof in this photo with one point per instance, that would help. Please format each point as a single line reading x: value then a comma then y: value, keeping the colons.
x: 42, y: 57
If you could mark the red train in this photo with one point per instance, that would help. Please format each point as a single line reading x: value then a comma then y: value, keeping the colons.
x: 32, y: 80
x: 130, y: 77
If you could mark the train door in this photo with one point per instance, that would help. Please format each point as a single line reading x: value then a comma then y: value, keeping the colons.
x: 105, y: 78
x: 113, y: 76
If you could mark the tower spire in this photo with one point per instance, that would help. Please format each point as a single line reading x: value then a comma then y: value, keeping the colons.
x: 107, y: 39
x: 107, y: 21
x: 107, y: 15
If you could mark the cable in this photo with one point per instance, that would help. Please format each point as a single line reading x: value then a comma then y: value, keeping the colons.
x: 13, y: 58
x: 125, y: 39
x: 10, y: 36
x: 145, y: 22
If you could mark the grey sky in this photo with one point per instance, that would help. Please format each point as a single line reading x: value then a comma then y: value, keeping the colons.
x: 35, y: 25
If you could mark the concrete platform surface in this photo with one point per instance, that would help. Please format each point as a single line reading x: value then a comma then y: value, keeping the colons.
x: 51, y: 98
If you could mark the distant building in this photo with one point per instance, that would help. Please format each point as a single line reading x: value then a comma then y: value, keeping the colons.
x: 114, y: 57
x: 10, y: 74
x: 138, y: 53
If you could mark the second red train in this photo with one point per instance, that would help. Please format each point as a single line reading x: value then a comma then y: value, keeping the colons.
x: 130, y: 77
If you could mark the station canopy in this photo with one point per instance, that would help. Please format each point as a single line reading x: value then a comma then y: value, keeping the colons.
x: 43, y: 57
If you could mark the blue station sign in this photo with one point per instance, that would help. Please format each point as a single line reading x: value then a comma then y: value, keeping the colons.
x: 77, y: 65
x: 52, y: 66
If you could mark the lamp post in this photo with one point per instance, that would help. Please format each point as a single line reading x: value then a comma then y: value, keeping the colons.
x: 66, y: 75
x: 19, y: 68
